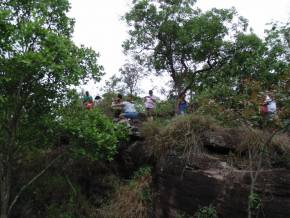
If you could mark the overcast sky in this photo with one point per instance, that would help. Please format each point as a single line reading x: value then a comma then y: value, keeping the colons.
x: 99, y: 25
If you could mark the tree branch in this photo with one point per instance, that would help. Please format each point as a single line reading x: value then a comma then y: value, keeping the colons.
x: 31, y: 181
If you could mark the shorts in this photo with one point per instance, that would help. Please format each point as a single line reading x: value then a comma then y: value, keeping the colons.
x: 89, y: 106
x: 131, y: 115
x: 149, y: 111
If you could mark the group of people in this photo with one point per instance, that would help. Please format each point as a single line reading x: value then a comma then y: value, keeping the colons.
x: 126, y: 108
x: 88, y: 101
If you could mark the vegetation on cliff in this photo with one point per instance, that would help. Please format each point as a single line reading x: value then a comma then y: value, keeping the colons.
x: 59, y: 160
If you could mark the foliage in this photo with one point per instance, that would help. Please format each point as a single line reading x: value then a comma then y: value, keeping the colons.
x: 181, y: 214
x: 166, y: 36
x: 236, y: 107
x: 206, y: 212
x: 278, y: 43
x: 130, y: 75
x: 165, y: 108
x: 132, y: 199
x: 91, y: 133
x: 220, y: 63
x: 242, y: 83
x: 255, y: 201
x: 70, y: 187
x: 231, y: 108
x: 191, y: 134
x: 38, y: 62
x: 182, y: 134
x: 114, y: 85
x: 282, y: 93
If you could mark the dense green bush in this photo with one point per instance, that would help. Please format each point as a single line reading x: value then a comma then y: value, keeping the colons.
x: 91, y: 133
x: 165, y: 108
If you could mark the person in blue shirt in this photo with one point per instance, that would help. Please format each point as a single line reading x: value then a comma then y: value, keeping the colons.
x: 181, y: 105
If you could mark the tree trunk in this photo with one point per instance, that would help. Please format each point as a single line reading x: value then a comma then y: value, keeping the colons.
x: 6, y: 154
x: 5, y: 187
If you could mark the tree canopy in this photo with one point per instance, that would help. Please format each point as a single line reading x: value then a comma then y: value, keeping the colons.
x: 178, y: 38
x: 38, y: 64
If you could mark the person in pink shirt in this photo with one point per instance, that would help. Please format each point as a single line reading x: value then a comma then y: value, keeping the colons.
x: 150, y: 102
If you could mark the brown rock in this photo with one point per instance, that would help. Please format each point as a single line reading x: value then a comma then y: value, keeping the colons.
x: 183, y: 184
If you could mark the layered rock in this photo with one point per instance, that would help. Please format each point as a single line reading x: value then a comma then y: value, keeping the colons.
x: 184, y: 184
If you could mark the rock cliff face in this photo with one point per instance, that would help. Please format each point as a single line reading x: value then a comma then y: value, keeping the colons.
x: 184, y: 184
x: 213, y: 170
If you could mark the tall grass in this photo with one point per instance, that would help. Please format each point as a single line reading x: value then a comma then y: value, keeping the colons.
x: 131, y: 200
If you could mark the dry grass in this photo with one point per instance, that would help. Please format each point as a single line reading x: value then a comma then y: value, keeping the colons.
x: 254, y: 139
x: 130, y: 200
x: 182, y: 134
x: 251, y: 139
x: 188, y: 134
x: 282, y: 143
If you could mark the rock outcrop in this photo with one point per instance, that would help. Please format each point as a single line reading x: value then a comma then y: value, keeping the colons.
x: 184, y: 184
x: 197, y: 163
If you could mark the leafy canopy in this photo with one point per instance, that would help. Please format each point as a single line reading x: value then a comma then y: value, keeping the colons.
x: 176, y: 37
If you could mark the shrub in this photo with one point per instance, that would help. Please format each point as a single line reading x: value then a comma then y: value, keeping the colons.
x: 132, y: 199
x: 182, y: 134
x: 91, y: 133
x: 206, y: 212
x: 165, y: 108
x: 190, y: 134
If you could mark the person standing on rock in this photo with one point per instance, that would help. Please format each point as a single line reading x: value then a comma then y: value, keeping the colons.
x: 269, y: 107
x: 181, y: 105
x: 150, y: 102
x: 268, y: 111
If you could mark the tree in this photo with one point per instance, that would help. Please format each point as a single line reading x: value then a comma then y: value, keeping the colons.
x: 172, y: 36
x: 130, y: 75
x: 257, y: 66
x: 114, y: 85
x: 126, y: 81
x: 278, y: 53
x: 38, y: 64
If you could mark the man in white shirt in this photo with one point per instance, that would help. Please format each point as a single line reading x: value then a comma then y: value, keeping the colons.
x: 128, y: 108
x: 271, y: 106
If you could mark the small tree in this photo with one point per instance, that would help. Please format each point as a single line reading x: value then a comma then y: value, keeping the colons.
x: 113, y: 85
x: 130, y: 75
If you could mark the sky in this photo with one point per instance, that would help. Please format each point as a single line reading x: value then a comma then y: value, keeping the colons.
x: 99, y: 26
